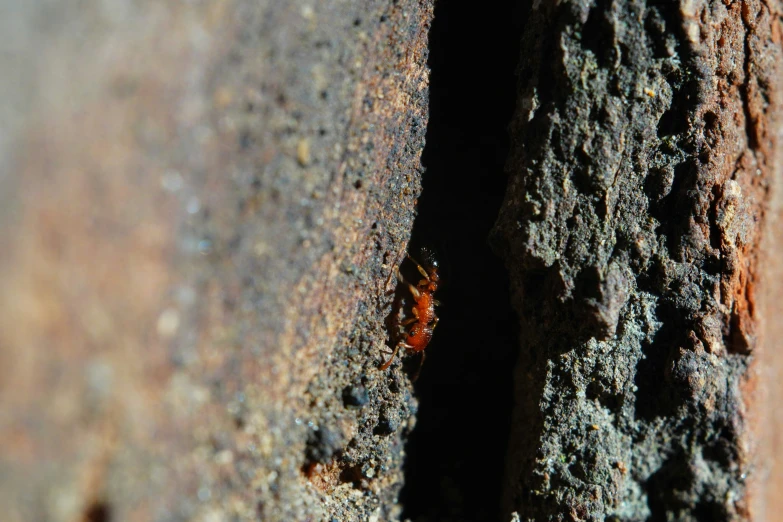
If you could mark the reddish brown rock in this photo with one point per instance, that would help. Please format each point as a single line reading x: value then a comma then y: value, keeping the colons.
x: 200, y: 206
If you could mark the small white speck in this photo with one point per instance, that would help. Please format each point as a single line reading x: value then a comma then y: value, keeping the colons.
x: 205, y: 245
x: 172, y: 180
x: 185, y: 295
x: 100, y: 377
x: 688, y: 8
x: 225, y: 457
x: 168, y: 322
x: 193, y: 206
x: 732, y: 189
x: 693, y: 32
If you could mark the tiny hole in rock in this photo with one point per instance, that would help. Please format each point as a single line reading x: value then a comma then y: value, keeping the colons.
x: 97, y: 512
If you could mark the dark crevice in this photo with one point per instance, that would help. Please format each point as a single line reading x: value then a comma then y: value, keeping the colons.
x: 456, y: 453
x: 750, y: 127
x: 664, y: 19
x: 673, y: 209
x: 665, y: 27
x: 98, y: 511
x: 655, y: 397
x: 675, y: 120
x: 655, y: 26
x: 598, y: 33
x: 709, y: 510
x: 664, y: 487
x: 736, y: 342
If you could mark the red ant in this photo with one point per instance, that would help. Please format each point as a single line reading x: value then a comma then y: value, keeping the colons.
x: 424, y: 319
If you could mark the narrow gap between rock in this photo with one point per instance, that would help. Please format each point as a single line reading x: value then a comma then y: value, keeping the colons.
x: 456, y: 453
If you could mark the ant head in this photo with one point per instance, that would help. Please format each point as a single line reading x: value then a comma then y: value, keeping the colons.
x: 427, y: 256
x: 431, y: 265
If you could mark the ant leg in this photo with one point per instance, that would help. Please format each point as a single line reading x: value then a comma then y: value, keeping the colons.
x: 411, y: 320
x: 388, y: 280
x: 435, y: 323
x: 414, y: 291
x: 436, y: 302
x: 386, y: 365
x: 396, y: 267
x: 421, y: 363
x: 421, y: 268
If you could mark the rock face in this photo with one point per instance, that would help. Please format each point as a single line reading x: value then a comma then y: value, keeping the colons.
x: 643, y: 154
x: 202, y: 203
x: 201, y: 207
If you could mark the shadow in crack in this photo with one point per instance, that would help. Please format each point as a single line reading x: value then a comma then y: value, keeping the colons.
x: 456, y: 453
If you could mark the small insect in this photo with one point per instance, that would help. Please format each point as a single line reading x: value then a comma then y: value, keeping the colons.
x: 419, y: 327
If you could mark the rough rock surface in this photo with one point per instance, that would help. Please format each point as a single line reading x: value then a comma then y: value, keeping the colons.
x: 201, y: 205
x: 642, y: 157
